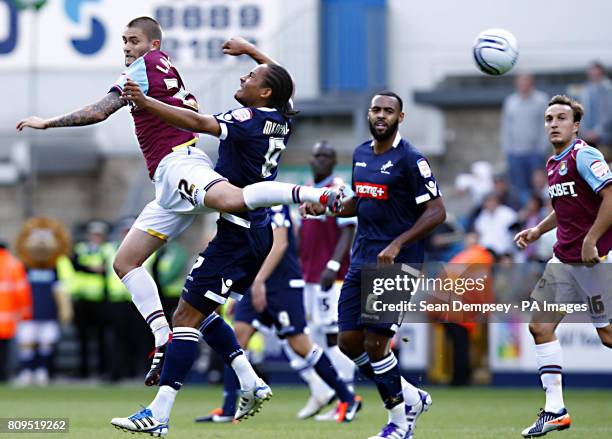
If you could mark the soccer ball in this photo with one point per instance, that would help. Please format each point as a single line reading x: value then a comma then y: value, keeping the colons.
x: 495, y: 51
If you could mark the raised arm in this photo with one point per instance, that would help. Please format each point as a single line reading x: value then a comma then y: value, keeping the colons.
x: 88, y: 115
x: 237, y: 46
x: 179, y: 117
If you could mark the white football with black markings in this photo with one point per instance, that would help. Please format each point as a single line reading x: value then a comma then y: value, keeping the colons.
x: 495, y: 51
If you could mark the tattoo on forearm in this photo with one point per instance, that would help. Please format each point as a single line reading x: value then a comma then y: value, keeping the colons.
x: 90, y: 114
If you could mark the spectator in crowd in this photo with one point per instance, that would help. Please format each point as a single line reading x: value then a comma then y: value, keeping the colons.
x: 494, y: 224
x: 594, y: 97
x: 539, y: 183
x: 445, y: 241
x: 128, y: 332
x: 15, y: 304
x: 42, y: 245
x: 523, y: 139
x: 478, y: 183
x: 89, y: 290
x: 530, y: 216
x: 505, y: 195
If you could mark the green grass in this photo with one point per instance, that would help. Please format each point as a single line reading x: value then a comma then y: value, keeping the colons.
x: 456, y: 413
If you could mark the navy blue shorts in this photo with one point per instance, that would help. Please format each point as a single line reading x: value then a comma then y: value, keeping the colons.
x: 228, y: 266
x: 349, y: 308
x: 285, y: 312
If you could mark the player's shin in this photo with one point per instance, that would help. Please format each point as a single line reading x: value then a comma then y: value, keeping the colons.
x: 222, y: 339
x: 271, y: 193
x: 549, y: 359
x: 180, y: 356
x: 388, y: 382
x: 144, y: 293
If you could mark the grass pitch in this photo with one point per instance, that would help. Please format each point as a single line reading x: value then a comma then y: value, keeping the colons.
x: 456, y: 413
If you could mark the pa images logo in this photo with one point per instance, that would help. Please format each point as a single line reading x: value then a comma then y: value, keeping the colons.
x: 93, y: 42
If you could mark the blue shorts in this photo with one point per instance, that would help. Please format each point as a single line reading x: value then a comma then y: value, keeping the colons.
x: 228, y: 266
x: 349, y: 308
x: 285, y: 312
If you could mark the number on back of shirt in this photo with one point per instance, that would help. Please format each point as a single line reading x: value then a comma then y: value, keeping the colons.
x: 275, y: 149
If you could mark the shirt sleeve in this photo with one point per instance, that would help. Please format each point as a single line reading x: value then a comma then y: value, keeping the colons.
x: 137, y: 72
x: 421, y: 178
x: 593, y: 168
x: 279, y: 216
x: 236, y: 124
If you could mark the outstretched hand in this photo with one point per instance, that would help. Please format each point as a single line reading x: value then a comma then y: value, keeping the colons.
x: 526, y: 237
x: 32, y: 122
x: 236, y: 46
x: 313, y: 209
x: 133, y: 93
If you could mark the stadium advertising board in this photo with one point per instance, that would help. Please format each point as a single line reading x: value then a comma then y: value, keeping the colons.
x: 85, y: 34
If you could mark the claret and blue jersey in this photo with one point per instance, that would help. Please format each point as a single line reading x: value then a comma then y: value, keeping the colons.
x: 391, y: 189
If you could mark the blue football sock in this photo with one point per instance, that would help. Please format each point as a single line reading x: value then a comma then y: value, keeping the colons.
x: 182, y: 352
x: 324, y: 368
x: 230, y: 391
x: 363, y: 363
x: 221, y: 338
x: 388, y: 380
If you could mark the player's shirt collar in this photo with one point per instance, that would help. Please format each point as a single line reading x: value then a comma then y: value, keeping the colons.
x: 326, y: 181
x: 566, y: 150
x: 396, y: 141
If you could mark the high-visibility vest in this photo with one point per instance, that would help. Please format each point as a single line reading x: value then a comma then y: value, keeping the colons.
x: 170, y: 269
x: 117, y: 292
x: 15, y: 295
x: 88, y: 286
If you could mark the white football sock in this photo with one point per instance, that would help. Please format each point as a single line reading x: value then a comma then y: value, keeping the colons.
x: 411, y: 393
x: 144, y: 293
x: 245, y: 372
x: 343, y: 364
x: 163, y: 402
x: 272, y: 193
x: 549, y: 359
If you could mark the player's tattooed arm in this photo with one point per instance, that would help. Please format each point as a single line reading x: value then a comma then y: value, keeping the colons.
x: 236, y: 46
x: 88, y: 115
x: 179, y: 117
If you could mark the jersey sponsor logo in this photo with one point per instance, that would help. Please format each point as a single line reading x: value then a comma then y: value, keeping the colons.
x: 424, y: 168
x: 562, y: 189
x: 242, y: 114
x: 563, y: 167
x: 361, y: 164
x: 599, y: 168
x: 371, y: 190
x: 383, y: 168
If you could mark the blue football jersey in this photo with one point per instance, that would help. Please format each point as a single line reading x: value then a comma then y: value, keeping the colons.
x: 43, y: 282
x: 251, y: 143
x: 288, y: 272
x: 390, y: 189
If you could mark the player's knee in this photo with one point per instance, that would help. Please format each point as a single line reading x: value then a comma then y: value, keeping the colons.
x: 225, y: 198
x: 122, y: 266
x: 540, y: 331
x: 348, y: 346
x: 606, y: 336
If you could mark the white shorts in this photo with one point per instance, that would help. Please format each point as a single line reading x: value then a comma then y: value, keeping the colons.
x: 322, y: 306
x: 574, y: 283
x: 181, y: 181
x: 41, y: 332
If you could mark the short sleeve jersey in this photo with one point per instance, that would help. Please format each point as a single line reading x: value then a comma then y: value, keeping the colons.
x: 391, y: 189
x: 575, y: 178
x: 251, y: 143
x: 288, y: 269
x: 159, y: 79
